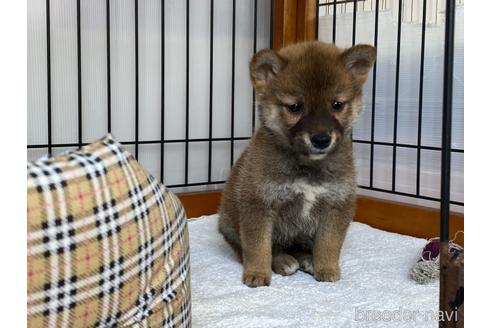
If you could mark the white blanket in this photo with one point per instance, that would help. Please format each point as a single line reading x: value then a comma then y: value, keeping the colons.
x: 374, y: 291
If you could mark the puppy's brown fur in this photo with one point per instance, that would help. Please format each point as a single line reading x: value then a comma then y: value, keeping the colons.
x: 287, y: 204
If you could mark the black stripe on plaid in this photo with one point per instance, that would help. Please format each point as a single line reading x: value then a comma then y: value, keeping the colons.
x: 109, y: 322
x: 185, y: 311
x: 59, y: 296
x: 139, y: 205
x: 143, y: 305
x: 47, y: 175
x: 167, y: 241
x: 145, y: 256
x: 167, y: 238
x: 167, y: 293
x: 168, y: 290
x: 177, y: 230
x: 58, y: 236
x: 156, y: 189
x: 92, y: 165
x: 106, y: 218
x: 111, y: 277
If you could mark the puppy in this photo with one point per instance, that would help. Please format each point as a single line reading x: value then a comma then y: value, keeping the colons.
x: 290, y: 197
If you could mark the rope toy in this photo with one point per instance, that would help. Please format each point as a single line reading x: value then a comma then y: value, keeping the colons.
x: 427, y: 268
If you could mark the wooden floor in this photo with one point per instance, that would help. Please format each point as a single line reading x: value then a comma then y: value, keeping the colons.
x: 417, y: 221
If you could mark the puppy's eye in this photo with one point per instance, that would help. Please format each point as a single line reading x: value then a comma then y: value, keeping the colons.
x: 295, y: 108
x: 337, y: 106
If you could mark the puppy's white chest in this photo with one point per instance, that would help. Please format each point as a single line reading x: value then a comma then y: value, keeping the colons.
x: 310, y: 195
x: 278, y: 193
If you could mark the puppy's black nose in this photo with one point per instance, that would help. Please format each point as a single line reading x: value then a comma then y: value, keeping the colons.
x: 321, y: 141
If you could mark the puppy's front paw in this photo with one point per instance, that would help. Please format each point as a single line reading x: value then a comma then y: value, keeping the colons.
x: 331, y: 274
x: 257, y: 279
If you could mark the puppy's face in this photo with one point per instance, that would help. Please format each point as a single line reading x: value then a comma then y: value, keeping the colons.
x: 309, y: 94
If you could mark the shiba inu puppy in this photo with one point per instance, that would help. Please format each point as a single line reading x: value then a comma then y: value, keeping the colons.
x: 290, y: 197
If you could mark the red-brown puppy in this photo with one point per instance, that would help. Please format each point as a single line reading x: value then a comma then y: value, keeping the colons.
x: 290, y: 197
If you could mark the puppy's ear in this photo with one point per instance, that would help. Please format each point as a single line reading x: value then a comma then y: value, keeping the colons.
x: 359, y: 60
x: 264, y: 67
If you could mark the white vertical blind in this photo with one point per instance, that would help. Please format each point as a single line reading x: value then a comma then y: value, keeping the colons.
x: 94, y: 86
x: 64, y: 80
x: 123, y: 83
x: 408, y: 97
x: 37, y: 119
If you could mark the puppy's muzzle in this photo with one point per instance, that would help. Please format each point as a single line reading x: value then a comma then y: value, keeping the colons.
x: 321, y: 141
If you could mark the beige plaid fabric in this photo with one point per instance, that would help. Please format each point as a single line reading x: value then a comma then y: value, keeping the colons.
x: 107, y: 243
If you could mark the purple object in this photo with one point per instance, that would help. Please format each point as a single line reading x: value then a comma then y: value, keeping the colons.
x: 431, y: 250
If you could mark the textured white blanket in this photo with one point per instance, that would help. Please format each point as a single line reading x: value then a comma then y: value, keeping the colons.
x: 374, y: 291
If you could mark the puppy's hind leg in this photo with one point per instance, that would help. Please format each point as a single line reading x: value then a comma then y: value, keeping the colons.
x: 303, y: 253
x: 305, y: 260
x: 283, y: 263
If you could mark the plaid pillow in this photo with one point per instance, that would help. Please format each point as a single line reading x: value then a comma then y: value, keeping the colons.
x: 107, y: 243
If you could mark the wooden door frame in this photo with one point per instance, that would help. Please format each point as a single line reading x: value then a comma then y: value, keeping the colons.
x: 293, y: 21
